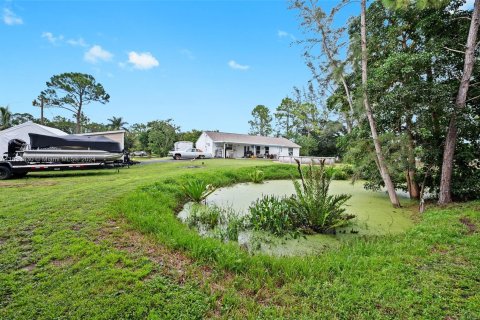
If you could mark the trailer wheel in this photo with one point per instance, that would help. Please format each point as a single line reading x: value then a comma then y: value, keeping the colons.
x: 5, y: 172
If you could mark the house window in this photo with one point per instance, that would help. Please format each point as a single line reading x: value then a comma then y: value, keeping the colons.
x: 290, y: 151
x: 267, y: 150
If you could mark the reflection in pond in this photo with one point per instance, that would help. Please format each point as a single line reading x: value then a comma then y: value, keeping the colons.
x: 373, y: 211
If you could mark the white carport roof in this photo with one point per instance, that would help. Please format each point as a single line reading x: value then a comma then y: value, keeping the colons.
x: 21, y: 132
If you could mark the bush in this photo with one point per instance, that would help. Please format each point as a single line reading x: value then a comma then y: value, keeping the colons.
x: 197, y: 190
x: 274, y: 215
x: 257, y: 176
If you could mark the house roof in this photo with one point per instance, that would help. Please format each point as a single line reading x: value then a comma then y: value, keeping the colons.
x: 248, y: 139
x: 31, y: 124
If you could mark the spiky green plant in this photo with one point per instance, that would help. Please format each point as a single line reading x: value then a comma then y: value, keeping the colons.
x: 322, y: 212
x: 197, y: 190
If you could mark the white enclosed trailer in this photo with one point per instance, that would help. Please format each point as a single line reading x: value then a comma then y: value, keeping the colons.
x: 182, y: 145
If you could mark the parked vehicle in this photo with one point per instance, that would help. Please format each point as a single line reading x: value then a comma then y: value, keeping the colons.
x: 191, y: 153
x: 55, y: 153
x: 182, y: 145
x: 139, y: 153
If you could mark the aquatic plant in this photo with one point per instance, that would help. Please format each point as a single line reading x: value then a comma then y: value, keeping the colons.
x: 216, y: 222
x: 257, y: 176
x: 201, y: 216
x: 322, y: 212
x: 233, y: 225
x: 197, y: 190
x: 274, y: 215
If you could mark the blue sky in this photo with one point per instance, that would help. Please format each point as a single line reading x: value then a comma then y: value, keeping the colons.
x: 205, y: 64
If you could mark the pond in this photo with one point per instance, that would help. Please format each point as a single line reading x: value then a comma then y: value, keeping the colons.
x: 373, y: 211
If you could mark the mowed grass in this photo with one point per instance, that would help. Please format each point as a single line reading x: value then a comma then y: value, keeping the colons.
x: 107, y: 245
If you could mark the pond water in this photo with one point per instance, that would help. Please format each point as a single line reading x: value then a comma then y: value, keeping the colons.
x: 373, y: 211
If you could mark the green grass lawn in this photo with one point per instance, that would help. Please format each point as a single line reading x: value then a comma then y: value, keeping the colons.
x: 107, y: 245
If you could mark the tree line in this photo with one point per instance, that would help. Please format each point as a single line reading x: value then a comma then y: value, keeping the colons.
x: 401, y: 79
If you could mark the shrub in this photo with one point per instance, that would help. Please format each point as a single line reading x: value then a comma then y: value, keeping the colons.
x: 197, y: 190
x: 257, y: 176
x: 322, y: 212
x: 274, y: 215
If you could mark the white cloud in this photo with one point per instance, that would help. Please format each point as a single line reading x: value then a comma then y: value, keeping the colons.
x: 284, y: 34
x: 234, y: 65
x: 143, y: 60
x: 10, y: 18
x: 187, y: 53
x: 51, y: 38
x: 96, y: 54
x: 77, y: 42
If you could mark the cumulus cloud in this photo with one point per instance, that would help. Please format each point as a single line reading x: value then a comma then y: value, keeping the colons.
x: 142, y: 60
x: 96, y: 54
x: 284, y: 34
x: 51, y: 38
x: 10, y: 18
x: 234, y: 65
x: 77, y: 42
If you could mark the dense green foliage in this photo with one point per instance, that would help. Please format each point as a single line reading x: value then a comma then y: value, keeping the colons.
x: 274, y: 215
x: 64, y: 257
x: 415, y: 61
x: 411, y: 67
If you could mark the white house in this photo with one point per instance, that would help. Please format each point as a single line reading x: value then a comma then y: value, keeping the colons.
x: 21, y: 132
x: 233, y: 145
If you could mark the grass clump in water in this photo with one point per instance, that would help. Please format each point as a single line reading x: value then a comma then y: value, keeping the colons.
x: 216, y: 222
x: 257, y: 176
x: 197, y: 190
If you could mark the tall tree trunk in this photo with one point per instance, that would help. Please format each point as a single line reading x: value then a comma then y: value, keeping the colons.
x: 387, y: 180
x: 41, y: 109
x: 78, y: 128
x: 412, y: 184
x: 445, y: 195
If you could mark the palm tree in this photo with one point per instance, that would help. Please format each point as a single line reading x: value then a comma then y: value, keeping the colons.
x: 117, y: 123
x: 5, y: 118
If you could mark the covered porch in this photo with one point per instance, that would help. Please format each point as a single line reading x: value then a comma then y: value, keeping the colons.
x: 238, y: 150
